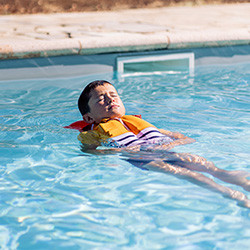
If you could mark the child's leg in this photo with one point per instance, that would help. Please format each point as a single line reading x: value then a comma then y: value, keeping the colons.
x: 200, y: 180
x: 198, y: 163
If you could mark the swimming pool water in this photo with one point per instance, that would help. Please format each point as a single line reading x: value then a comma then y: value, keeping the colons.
x: 54, y: 196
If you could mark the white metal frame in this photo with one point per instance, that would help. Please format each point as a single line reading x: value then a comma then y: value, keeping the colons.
x: 121, y: 61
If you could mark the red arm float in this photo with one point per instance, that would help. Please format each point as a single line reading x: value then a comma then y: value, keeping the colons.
x: 79, y: 125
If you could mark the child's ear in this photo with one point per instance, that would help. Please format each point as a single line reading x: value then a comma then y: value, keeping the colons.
x: 87, y: 118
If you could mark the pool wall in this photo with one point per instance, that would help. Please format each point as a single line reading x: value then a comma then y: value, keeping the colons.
x: 78, y: 65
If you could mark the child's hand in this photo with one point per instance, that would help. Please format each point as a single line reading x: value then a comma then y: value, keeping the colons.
x: 171, y: 145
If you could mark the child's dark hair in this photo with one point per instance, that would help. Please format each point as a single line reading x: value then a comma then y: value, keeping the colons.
x: 85, y: 95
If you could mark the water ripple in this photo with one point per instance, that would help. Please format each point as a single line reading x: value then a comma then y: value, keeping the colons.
x: 55, y: 196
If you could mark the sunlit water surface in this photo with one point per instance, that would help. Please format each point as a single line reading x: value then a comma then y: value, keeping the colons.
x: 53, y: 196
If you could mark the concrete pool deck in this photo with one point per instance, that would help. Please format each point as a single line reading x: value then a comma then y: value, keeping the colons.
x: 42, y: 35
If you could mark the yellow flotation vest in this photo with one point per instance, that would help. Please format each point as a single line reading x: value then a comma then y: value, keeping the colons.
x: 120, y: 132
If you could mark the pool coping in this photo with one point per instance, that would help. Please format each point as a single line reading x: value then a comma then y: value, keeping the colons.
x: 28, y: 36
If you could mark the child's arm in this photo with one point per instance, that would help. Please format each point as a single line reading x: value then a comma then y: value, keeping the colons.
x: 174, y: 135
x: 90, y: 140
x: 179, y: 139
x: 87, y: 147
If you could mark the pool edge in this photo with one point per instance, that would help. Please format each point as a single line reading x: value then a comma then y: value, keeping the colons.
x: 46, y: 35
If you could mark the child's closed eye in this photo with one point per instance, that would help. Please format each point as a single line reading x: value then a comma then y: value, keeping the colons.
x: 100, y: 98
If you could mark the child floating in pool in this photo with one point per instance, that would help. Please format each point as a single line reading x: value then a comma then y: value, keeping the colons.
x: 105, y: 124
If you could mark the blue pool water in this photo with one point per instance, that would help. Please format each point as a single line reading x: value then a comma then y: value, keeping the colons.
x: 54, y: 196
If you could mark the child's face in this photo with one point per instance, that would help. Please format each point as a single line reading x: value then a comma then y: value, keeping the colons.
x: 104, y: 103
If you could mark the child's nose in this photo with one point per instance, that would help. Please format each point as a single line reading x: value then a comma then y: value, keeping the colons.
x: 109, y: 99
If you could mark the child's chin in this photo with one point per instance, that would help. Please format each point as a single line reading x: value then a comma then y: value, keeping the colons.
x: 117, y: 115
